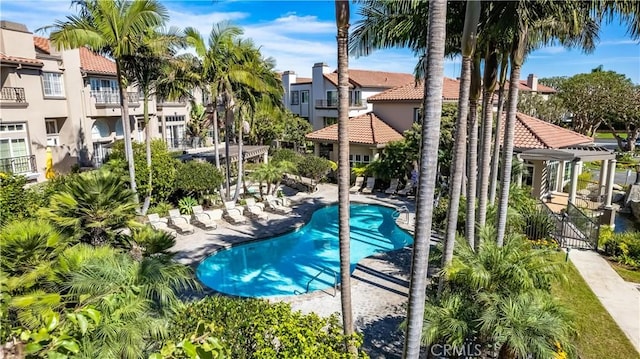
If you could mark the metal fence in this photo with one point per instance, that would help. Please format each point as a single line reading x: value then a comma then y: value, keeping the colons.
x: 13, y: 94
x: 571, y: 228
x: 18, y: 165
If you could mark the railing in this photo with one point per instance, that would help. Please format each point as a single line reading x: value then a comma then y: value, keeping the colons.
x: 400, y: 210
x: 113, y: 98
x: 18, y: 165
x: 133, y: 97
x: 13, y: 94
x: 335, y: 282
x: 580, y: 230
x: 333, y: 103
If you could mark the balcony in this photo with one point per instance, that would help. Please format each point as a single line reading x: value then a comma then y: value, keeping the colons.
x: 13, y: 97
x: 19, y: 165
x: 112, y: 98
x: 333, y: 103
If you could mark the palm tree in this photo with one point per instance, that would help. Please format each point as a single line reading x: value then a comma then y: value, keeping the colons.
x: 502, y: 79
x: 92, y: 206
x: 113, y: 28
x: 472, y: 150
x: 472, y: 16
x: 427, y: 177
x: 344, y: 237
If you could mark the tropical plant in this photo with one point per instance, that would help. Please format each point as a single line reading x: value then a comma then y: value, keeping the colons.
x: 162, y: 209
x: 16, y: 202
x: 198, y: 179
x: 271, y: 173
x: 114, y: 29
x: 623, y: 247
x: 186, y: 204
x: 144, y: 241
x: 314, y: 167
x: 538, y: 224
x: 92, y: 206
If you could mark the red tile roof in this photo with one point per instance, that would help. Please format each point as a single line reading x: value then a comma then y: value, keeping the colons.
x: 96, y: 64
x: 378, y: 79
x: 415, y: 92
x: 367, y: 129
x: 42, y: 44
x: 20, y: 60
x: 541, y: 88
x: 531, y: 132
x: 303, y: 80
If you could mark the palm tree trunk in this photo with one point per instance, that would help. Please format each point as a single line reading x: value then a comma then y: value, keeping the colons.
x: 342, y: 23
x: 517, y: 57
x: 240, y: 162
x: 493, y: 185
x: 427, y: 177
x: 457, y: 167
x: 489, y: 83
x: 472, y: 151
x: 147, y: 140
x: 227, y: 129
x: 126, y: 125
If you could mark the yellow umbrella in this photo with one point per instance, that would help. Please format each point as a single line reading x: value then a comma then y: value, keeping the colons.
x: 48, y: 172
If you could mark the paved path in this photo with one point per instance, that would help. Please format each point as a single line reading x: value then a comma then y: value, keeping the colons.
x: 620, y: 298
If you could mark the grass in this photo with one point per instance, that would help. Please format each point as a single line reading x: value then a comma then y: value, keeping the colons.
x: 608, y: 135
x: 626, y: 272
x: 598, y: 334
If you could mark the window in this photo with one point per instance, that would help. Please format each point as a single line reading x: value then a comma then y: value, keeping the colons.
x: 417, y: 114
x: 51, y: 126
x: 52, y: 84
x: 332, y: 98
x: 12, y: 148
x: 355, y: 98
x: 304, y: 97
x: 295, y: 97
x: 328, y: 121
x: 174, y: 118
x: 17, y: 127
x: 358, y: 158
x: 366, y: 159
x: 106, y: 85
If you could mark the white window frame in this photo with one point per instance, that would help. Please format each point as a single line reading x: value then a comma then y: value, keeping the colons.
x: 51, y: 87
x: 53, y: 139
x: 417, y: 114
x: 16, y: 127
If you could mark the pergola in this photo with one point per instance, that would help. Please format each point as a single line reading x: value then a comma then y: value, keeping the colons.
x: 575, y: 156
x: 248, y: 153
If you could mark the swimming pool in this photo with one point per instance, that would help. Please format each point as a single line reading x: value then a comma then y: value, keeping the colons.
x: 284, y: 264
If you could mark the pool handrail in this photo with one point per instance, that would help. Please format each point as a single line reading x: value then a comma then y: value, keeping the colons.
x: 324, y: 269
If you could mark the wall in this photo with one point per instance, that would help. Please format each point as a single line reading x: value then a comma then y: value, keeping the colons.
x: 398, y: 115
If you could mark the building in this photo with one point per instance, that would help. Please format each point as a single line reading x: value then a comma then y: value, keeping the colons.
x: 316, y: 98
x: 68, y: 101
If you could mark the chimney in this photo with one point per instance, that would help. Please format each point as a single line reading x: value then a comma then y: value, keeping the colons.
x: 532, y: 82
x: 288, y: 78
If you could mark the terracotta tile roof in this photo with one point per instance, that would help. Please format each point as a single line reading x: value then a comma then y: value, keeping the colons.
x: 366, y: 78
x: 415, y: 92
x: 367, y: 129
x: 96, y: 64
x: 42, y: 44
x: 531, y: 132
x: 303, y: 80
x: 20, y: 60
x: 541, y: 88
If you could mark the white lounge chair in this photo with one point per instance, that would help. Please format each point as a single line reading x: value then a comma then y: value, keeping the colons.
x: 356, y: 187
x: 255, y: 209
x: 371, y: 181
x: 203, y: 218
x: 160, y: 224
x: 408, y: 188
x: 180, y: 221
x: 233, y: 214
x: 276, y: 205
x: 393, y: 187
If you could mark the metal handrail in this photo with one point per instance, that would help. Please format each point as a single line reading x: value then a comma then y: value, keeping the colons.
x: 335, y: 281
x: 396, y: 214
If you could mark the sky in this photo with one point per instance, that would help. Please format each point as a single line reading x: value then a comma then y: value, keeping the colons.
x: 298, y: 34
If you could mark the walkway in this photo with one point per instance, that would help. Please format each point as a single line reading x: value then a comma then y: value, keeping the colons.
x: 620, y: 298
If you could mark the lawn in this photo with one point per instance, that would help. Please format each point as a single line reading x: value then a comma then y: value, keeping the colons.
x: 598, y: 334
x: 608, y: 135
x: 625, y: 272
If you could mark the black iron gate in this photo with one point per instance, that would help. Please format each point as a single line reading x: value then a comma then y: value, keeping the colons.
x: 573, y: 228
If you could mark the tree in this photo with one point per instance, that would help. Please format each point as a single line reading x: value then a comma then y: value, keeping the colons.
x: 344, y: 179
x: 196, y: 178
x: 314, y: 167
x: 550, y: 109
x: 427, y: 176
x: 113, y: 28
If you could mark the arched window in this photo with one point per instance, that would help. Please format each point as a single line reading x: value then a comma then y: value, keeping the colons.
x: 119, y: 130
x: 99, y: 130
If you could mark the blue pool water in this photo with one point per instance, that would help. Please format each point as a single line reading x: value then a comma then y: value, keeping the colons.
x: 283, y: 265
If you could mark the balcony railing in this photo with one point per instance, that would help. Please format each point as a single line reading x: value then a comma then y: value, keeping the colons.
x: 18, y: 165
x: 13, y: 94
x: 113, y: 98
x: 333, y: 103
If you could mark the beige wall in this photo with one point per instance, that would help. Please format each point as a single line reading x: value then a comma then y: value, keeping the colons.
x: 398, y: 115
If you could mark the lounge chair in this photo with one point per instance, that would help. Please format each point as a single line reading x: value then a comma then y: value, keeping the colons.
x: 408, y: 188
x: 276, y: 205
x: 371, y: 181
x: 160, y: 224
x: 233, y: 214
x: 356, y: 187
x: 204, y: 219
x: 255, y: 209
x: 180, y: 222
x: 393, y: 187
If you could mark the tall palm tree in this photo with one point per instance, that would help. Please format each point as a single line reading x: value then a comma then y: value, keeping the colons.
x: 427, y: 177
x: 472, y: 150
x: 495, y: 160
x: 344, y: 237
x: 113, y: 28
x: 472, y: 16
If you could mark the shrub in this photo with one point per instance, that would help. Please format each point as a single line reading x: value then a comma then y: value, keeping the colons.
x: 584, y: 179
x: 15, y: 201
x: 186, y: 205
x: 254, y: 328
x: 538, y: 225
x: 162, y: 209
x: 314, y: 167
x: 623, y: 247
x: 285, y: 154
x: 198, y: 179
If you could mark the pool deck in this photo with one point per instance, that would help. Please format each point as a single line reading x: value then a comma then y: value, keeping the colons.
x: 379, y: 284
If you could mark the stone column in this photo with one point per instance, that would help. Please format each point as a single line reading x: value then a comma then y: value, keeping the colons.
x: 604, y: 176
x: 575, y: 168
x: 316, y: 148
x: 610, y: 181
x: 265, y: 157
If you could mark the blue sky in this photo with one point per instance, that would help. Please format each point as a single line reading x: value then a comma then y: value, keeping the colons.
x: 300, y: 33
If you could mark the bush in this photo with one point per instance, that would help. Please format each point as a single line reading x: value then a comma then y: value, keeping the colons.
x: 314, y: 167
x: 163, y: 167
x: 198, y: 179
x: 623, y: 247
x: 584, y: 179
x: 16, y: 202
x: 186, y: 205
x: 285, y: 154
x: 254, y: 328
x: 162, y: 209
x: 538, y: 225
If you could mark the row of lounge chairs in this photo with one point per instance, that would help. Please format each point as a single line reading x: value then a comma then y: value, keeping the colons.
x: 207, y: 219
x: 394, y: 186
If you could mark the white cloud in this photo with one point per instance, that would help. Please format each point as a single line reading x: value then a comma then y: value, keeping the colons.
x: 552, y: 50
x: 619, y: 42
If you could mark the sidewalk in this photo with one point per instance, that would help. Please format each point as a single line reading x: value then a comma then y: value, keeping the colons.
x: 620, y: 298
